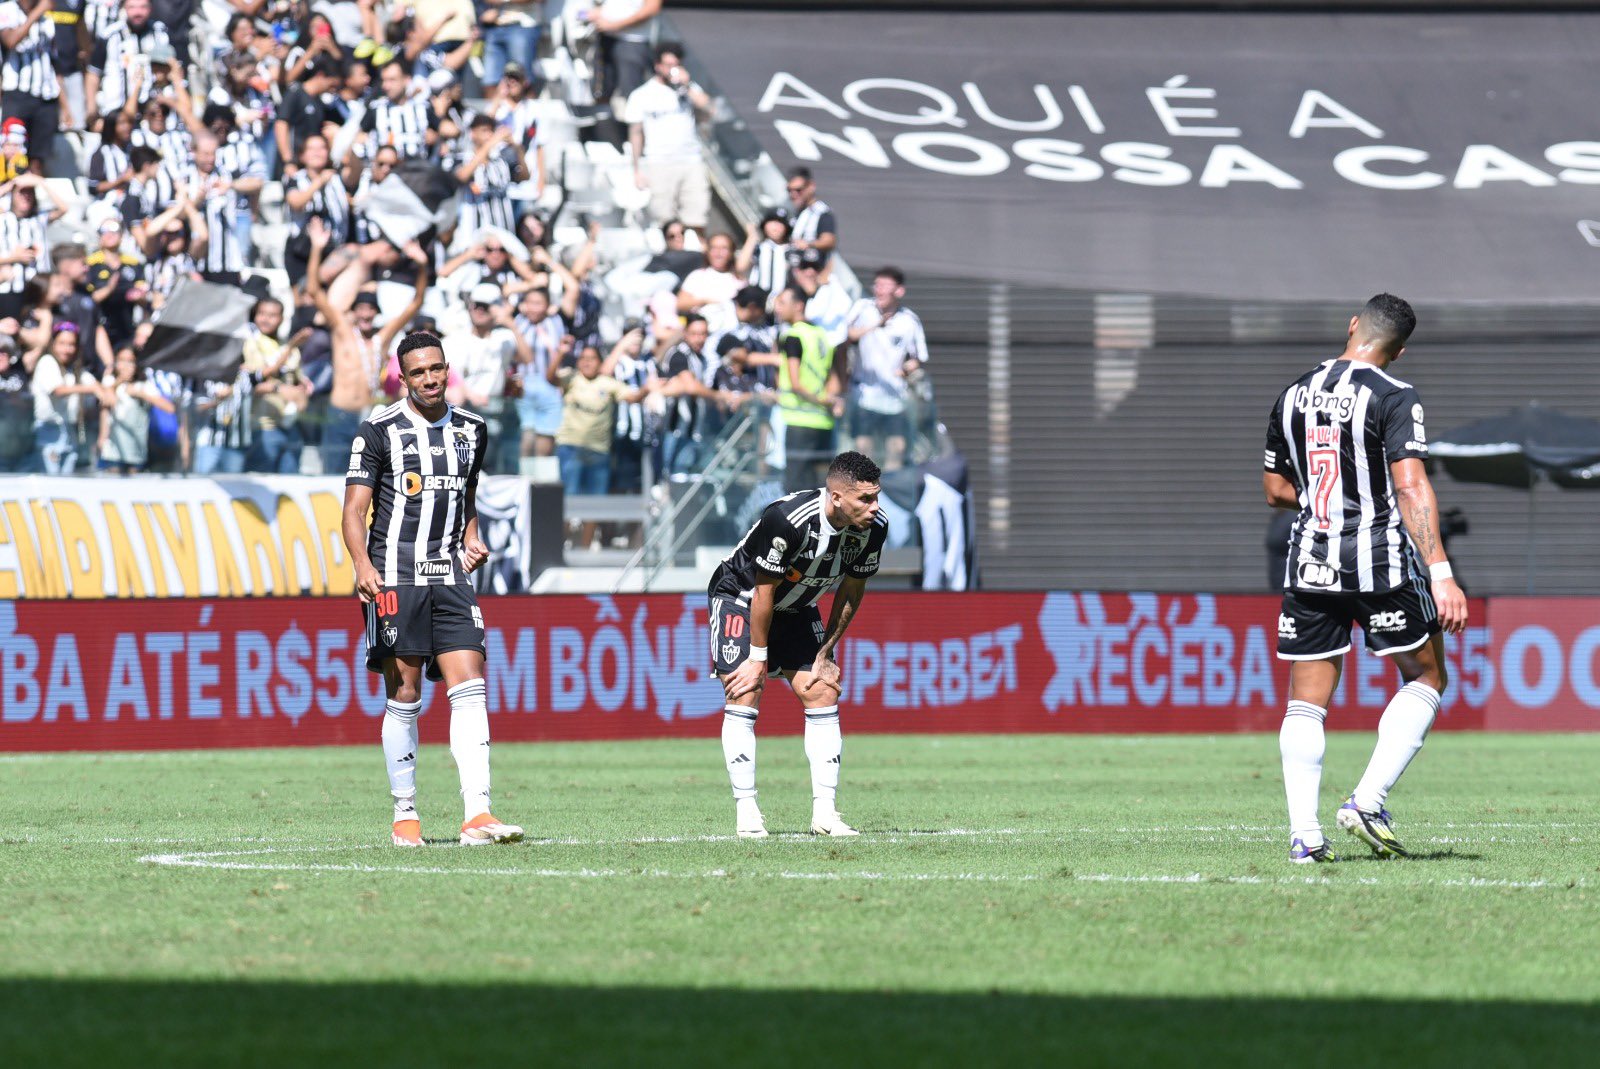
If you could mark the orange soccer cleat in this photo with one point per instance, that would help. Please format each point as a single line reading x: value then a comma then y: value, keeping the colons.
x: 484, y: 829
x: 407, y: 833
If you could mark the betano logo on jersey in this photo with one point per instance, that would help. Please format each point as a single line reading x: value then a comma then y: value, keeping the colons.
x: 412, y: 484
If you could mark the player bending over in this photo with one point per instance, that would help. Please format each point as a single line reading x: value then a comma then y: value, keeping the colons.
x: 1345, y: 448
x: 420, y: 458
x: 764, y: 620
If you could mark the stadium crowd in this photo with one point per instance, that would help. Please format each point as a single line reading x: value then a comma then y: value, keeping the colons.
x: 533, y: 193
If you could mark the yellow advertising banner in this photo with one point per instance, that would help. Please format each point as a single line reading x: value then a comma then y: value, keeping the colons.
x: 195, y: 537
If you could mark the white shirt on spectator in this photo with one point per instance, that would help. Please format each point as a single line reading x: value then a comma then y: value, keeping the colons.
x: 879, y: 369
x: 48, y: 376
x: 482, y: 362
x: 614, y: 10
x: 668, y: 120
x: 829, y: 308
x: 719, y: 287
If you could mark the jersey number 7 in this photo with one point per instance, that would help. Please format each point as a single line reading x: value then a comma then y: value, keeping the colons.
x: 1325, y: 476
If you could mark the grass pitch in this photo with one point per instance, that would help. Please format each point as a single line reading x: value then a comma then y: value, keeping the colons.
x: 1087, y: 900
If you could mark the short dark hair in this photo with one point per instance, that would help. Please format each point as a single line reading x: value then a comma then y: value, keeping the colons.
x: 142, y: 156
x: 751, y: 297
x: 894, y: 273
x: 70, y: 250
x: 798, y: 172
x: 797, y: 293
x: 421, y: 339
x: 856, y: 467
x: 254, y: 308
x: 691, y: 318
x: 669, y: 48
x: 1389, y: 320
x: 219, y: 113
x: 482, y: 119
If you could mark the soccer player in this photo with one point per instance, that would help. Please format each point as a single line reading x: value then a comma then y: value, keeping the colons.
x: 419, y: 460
x: 1345, y: 448
x: 764, y: 620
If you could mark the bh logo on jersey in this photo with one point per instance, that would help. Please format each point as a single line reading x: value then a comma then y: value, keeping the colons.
x: 1286, y: 626
x: 1386, y: 621
x: 1315, y: 573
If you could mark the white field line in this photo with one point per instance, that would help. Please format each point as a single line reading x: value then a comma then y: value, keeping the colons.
x: 216, y: 860
x: 1258, y: 833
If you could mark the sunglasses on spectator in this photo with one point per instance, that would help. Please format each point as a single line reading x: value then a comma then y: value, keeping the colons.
x: 482, y: 307
x: 493, y: 248
x: 801, y: 188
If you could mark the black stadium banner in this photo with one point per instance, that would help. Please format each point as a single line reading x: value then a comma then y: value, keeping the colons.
x: 1246, y: 156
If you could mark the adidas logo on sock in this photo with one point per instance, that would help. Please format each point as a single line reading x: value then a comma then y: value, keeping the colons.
x: 834, y: 760
x: 407, y: 757
x: 740, y: 760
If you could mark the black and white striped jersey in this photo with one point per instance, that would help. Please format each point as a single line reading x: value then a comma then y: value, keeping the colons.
x: 769, y: 267
x: 812, y: 221
x: 30, y: 67
x: 486, y: 199
x: 331, y: 204
x: 109, y: 163
x: 17, y: 233
x: 423, y: 477
x: 1334, y: 433
x: 122, y: 59
x: 794, y: 540
x: 403, y: 126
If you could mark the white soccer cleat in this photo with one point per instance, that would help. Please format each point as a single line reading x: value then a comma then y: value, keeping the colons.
x: 749, y: 823
x: 831, y: 824
x: 484, y: 830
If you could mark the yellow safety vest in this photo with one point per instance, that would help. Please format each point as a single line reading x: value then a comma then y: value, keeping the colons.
x: 816, y: 360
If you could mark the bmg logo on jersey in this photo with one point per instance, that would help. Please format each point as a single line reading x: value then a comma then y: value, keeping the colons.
x: 1340, y: 405
x: 1386, y: 621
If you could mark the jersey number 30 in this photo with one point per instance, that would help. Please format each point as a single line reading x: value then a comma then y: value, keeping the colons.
x: 1325, y: 476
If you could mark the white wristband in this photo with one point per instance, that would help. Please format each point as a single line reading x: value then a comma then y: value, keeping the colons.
x: 1440, y: 570
x: 758, y: 653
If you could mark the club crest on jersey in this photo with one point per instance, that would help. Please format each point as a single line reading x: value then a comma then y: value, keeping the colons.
x: 464, y: 447
x: 390, y: 634
x: 730, y: 652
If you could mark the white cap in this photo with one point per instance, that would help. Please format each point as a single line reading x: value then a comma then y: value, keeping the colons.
x: 484, y: 293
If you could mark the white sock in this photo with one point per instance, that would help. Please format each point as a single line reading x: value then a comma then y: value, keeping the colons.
x: 400, y: 755
x: 739, y: 749
x: 469, y: 743
x: 1302, y: 743
x: 1404, y: 725
x: 824, y: 747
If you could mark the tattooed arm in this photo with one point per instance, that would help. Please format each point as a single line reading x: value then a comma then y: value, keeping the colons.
x: 1419, y: 510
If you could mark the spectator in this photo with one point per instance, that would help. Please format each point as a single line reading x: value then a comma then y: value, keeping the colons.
x: 489, y: 260
x: 808, y: 393
x: 247, y: 99
x: 176, y: 16
x: 485, y: 354
x: 123, y: 445
x: 688, y: 376
x: 16, y: 400
x: 486, y: 170
x: 22, y: 243
x: 634, y: 435
x: 755, y: 334
x: 890, y: 349
x: 109, y: 170
x: 241, y: 40
x: 14, y: 162
x: 588, y: 419
x: 144, y: 196
x: 814, y: 224
x: 29, y: 87
x: 516, y: 108
x: 316, y: 191
x: 176, y: 235
x: 224, y: 175
x: 539, y: 402
x: 359, y: 347
x: 764, y: 258
x: 222, y: 440
x: 116, y: 282
x: 661, y: 116
x: 68, y: 54
x: 280, y: 394
x: 625, y: 28
x: 827, y: 303
x: 737, y: 381
x: 710, y: 290
x: 510, y: 37
x: 119, y: 65
x: 63, y: 394
x: 397, y: 119
x: 67, y: 295
x: 303, y: 114
x: 316, y: 47
x: 442, y: 36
